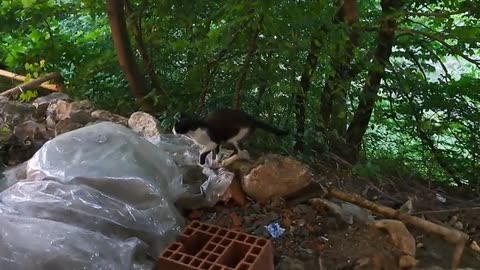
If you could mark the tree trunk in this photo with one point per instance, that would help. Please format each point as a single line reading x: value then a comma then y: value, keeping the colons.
x: 252, y: 48
x: 301, y: 95
x: 333, y: 100
x: 137, y: 33
x: 368, y: 97
x: 125, y: 55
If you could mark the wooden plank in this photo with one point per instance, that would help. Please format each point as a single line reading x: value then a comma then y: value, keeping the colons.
x: 17, y: 77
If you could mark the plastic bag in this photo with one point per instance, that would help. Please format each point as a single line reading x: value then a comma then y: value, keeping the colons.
x: 96, y: 197
x: 13, y: 175
x: 112, y: 159
x: 204, y: 186
x: 39, y: 244
x: 105, y: 178
x: 87, y: 208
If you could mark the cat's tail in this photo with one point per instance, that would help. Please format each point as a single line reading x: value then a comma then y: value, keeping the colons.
x: 269, y: 128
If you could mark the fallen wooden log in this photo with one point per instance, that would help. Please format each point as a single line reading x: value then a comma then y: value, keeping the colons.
x: 38, y: 82
x: 453, y: 236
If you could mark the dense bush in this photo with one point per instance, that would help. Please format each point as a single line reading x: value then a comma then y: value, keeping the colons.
x: 315, y: 68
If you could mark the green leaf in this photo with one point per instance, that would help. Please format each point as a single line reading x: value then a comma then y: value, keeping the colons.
x: 35, y: 35
x: 4, y: 130
x: 28, y: 96
x: 28, y: 3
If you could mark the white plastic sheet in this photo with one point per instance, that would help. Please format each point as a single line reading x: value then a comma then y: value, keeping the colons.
x: 100, y: 197
x: 112, y: 159
x: 40, y: 244
x: 199, y: 194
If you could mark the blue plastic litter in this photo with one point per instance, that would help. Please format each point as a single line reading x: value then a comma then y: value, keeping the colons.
x: 275, y: 230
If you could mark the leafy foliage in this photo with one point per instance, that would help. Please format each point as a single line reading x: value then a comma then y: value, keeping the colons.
x: 426, y: 113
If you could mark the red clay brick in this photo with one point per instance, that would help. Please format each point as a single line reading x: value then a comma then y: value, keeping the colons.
x: 208, y: 247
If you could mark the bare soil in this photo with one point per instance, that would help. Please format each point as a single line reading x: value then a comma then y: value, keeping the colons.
x: 315, y: 239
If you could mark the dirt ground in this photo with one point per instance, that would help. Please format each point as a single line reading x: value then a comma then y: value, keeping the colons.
x: 315, y: 239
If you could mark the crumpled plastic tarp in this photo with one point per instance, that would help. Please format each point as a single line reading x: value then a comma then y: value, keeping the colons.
x: 40, y: 244
x: 198, y: 194
x: 99, y: 197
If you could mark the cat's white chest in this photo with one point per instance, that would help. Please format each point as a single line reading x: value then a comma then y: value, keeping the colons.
x: 200, y: 137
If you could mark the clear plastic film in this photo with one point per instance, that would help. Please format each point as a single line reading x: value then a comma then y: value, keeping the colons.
x: 87, y: 208
x: 112, y: 159
x: 214, y: 182
x: 40, y: 244
x: 101, y: 197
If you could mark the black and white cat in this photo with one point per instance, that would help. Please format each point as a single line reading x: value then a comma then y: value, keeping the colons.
x: 222, y: 127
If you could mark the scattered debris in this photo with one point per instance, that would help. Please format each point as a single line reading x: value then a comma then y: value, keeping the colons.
x: 401, y: 238
x: 287, y: 263
x: 275, y: 230
x: 452, y: 236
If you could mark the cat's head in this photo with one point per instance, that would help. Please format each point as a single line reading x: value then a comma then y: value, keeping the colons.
x: 184, y: 124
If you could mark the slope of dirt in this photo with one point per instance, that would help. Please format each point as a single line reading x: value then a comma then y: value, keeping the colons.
x: 315, y: 239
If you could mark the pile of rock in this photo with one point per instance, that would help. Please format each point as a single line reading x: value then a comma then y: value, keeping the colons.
x: 26, y: 127
x: 29, y: 126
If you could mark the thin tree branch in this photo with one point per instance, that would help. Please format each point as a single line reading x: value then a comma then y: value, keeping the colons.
x: 447, y: 75
x: 415, y: 61
x: 442, y: 41
x: 137, y: 33
x: 437, y: 154
x: 212, y: 66
x: 125, y: 55
x: 445, y: 15
x: 52, y: 38
x: 252, y: 47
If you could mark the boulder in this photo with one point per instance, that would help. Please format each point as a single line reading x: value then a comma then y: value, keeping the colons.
x: 80, y: 110
x: 42, y: 103
x: 31, y: 130
x: 14, y: 112
x: 51, y: 98
x: 102, y: 115
x: 146, y: 126
x: 274, y: 176
x: 66, y: 125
